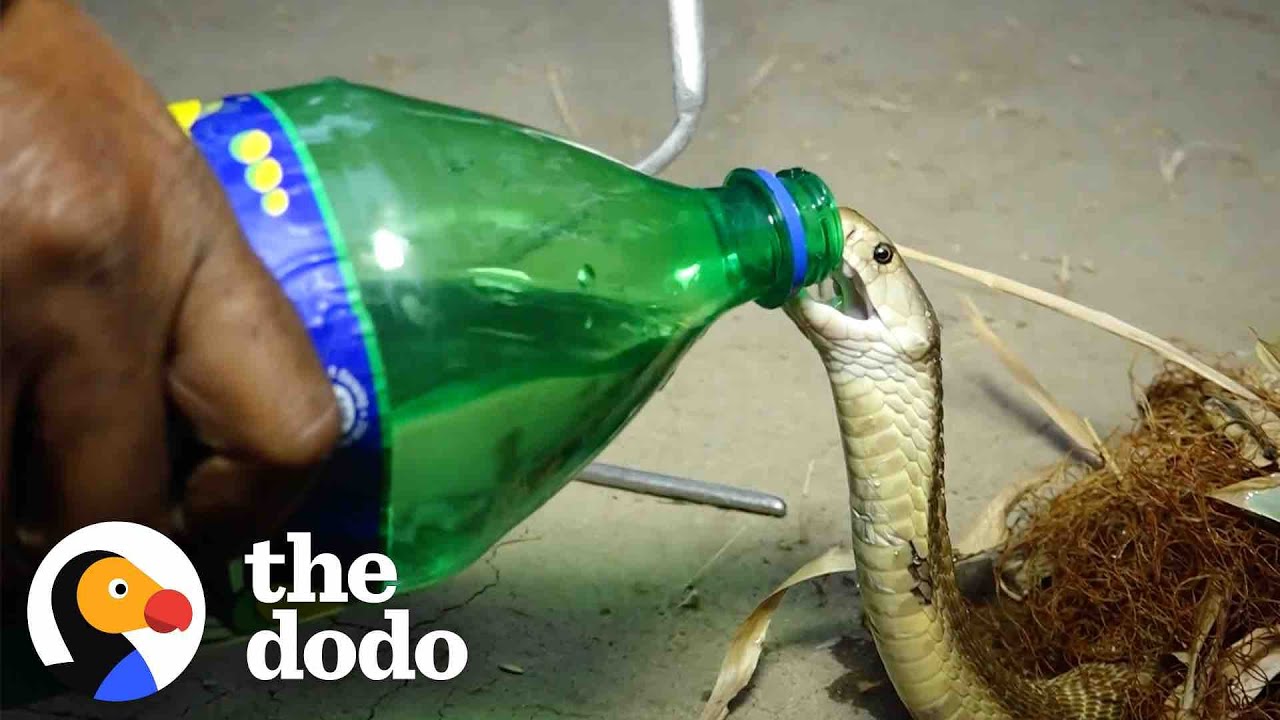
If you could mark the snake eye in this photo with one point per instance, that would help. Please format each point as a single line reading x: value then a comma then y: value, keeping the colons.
x: 118, y: 588
x: 883, y: 253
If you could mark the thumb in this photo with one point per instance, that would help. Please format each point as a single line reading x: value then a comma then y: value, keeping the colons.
x: 243, y: 369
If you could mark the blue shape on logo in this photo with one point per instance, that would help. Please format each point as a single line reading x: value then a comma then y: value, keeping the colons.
x: 130, y: 679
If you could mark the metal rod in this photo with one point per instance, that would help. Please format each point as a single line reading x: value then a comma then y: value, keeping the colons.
x: 689, y: 80
x: 679, y: 488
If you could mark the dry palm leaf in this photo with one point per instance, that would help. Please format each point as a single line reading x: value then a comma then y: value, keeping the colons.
x: 744, y: 649
x: 992, y: 527
x: 1071, y: 423
x: 1253, y: 428
x: 1107, y: 322
x: 1269, y: 355
x: 1258, y: 663
x: 1260, y: 496
x: 1182, y: 703
x: 973, y: 576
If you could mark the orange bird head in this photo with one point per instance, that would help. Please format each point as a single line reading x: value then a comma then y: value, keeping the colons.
x: 114, y: 596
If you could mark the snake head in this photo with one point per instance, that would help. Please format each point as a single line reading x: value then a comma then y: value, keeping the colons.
x: 872, y: 301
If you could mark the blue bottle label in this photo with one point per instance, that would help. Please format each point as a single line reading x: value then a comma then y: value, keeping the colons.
x: 272, y: 186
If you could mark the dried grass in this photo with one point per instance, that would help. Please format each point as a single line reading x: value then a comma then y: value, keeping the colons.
x: 1132, y: 564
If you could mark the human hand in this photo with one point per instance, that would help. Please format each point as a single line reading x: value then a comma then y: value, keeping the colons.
x: 127, y: 291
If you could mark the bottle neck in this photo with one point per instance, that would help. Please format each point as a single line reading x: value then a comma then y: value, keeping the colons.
x: 784, y: 231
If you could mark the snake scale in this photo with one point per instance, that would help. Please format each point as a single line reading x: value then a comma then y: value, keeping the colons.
x: 879, y: 339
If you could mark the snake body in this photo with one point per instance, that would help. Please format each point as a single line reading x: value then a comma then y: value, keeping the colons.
x: 880, y: 342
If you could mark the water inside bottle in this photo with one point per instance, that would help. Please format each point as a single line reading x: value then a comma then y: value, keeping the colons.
x: 500, y: 392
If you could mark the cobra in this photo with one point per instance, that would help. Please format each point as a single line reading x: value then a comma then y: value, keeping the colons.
x: 879, y: 339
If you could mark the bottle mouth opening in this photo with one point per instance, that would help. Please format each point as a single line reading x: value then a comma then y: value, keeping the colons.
x: 807, y: 224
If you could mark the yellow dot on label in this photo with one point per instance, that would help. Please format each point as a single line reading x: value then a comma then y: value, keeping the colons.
x: 275, y: 202
x: 250, y: 146
x: 264, y: 174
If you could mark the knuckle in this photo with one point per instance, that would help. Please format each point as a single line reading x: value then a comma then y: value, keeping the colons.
x: 66, y: 202
x: 89, y: 260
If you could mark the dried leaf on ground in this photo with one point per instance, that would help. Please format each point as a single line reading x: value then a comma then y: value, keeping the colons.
x: 744, y: 649
x: 973, y: 576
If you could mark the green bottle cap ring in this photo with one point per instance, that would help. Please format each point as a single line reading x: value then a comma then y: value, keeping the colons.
x: 795, y: 228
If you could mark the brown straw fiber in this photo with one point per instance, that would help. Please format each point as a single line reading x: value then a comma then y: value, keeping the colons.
x: 1116, y: 567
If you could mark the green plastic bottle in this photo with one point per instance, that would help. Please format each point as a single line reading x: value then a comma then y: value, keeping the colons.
x: 493, y: 303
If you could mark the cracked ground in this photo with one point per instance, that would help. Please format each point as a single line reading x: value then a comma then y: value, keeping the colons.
x: 1006, y: 134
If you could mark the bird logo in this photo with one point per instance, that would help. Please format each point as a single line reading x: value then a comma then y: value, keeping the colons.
x: 116, y: 610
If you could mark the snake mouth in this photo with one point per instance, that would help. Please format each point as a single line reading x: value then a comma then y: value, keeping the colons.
x: 845, y: 293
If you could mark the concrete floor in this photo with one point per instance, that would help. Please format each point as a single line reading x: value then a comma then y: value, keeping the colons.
x: 1006, y: 135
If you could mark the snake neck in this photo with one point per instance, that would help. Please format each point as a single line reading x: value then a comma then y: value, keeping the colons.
x: 890, y: 414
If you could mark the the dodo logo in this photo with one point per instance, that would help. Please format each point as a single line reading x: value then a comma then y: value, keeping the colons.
x: 116, y: 610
